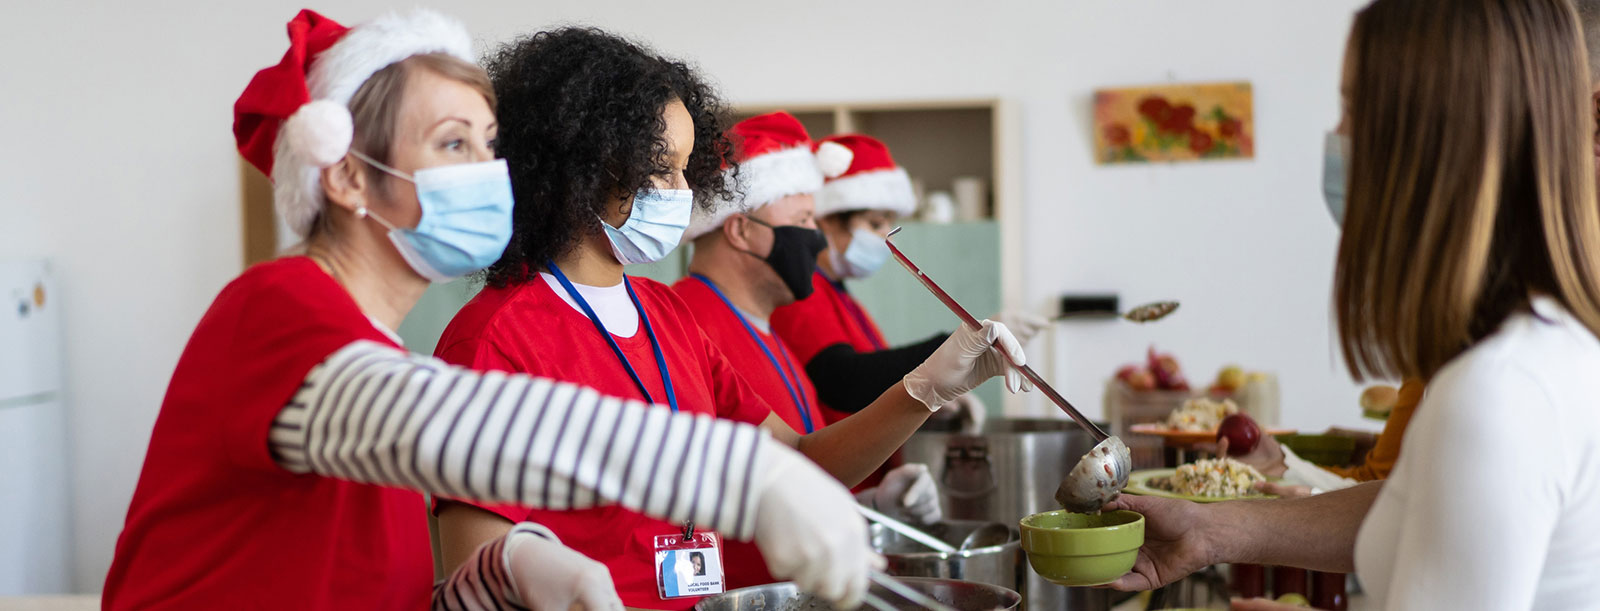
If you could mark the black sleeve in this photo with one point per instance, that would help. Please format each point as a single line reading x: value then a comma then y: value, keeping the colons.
x: 848, y: 381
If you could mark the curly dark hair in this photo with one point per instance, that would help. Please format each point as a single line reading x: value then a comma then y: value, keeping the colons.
x: 580, y: 123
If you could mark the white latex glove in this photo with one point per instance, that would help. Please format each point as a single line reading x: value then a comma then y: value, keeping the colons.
x: 1024, y: 325
x: 549, y: 576
x: 808, y: 529
x: 907, y: 493
x: 971, y: 412
x: 965, y: 360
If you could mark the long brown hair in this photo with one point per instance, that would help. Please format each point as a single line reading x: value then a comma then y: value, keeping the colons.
x: 1470, y: 180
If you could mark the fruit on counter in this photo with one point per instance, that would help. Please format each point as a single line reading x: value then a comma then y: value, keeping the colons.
x: 1230, y: 379
x: 1169, y: 376
x: 1242, y: 432
x: 1295, y: 600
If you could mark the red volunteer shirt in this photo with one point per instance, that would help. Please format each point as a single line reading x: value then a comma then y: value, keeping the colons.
x: 528, y: 328
x: 745, y: 565
x: 831, y: 316
x: 215, y: 523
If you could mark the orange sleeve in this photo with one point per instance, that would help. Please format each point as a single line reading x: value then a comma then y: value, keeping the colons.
x: 1381, y: 460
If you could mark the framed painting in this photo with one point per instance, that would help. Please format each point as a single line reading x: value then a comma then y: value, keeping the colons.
x: 1184, y: 122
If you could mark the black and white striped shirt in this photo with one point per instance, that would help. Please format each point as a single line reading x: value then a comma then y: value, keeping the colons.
x: 375, y: 414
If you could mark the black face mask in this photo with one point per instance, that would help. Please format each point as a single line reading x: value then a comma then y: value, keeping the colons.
x: 794, y: 255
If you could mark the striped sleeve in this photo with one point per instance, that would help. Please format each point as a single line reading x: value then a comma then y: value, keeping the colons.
x: 483, y: 582
x: 375, y: 414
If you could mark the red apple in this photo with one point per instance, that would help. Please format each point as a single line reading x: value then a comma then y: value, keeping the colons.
x: 1141, y: 380
x: 1126, y: 372
x: 1242, y: 432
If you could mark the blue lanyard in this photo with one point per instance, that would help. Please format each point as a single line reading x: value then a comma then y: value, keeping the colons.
x: 797, y: 391
x: 644, y: 319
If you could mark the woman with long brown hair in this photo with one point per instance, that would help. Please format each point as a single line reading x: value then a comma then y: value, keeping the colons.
x: 1470, y: 257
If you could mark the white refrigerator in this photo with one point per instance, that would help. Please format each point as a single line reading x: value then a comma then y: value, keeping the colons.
x: 35, y: 536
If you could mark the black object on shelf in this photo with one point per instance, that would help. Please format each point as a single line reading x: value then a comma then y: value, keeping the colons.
x: 1089, y: 306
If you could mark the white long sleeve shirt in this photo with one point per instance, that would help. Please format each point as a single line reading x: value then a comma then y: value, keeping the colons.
x: 1495, y: 503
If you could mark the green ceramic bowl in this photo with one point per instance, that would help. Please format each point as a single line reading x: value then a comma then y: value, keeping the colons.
x: 1075, y: 549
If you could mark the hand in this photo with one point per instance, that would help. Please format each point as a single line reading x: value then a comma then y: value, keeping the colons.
x: 1266, y: 458
x: 809, y: 530
x: 969, y: 411
x: 1175, y: 542
x: 549, y: 576
x: 1287, y: 491
x: 907, y: 493
x: 1024, y: 325
x: 965, y: 360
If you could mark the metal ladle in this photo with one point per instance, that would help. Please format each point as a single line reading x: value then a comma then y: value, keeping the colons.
x: 908, y: 531
x: 1102, y: 473
x: 1150, y: 312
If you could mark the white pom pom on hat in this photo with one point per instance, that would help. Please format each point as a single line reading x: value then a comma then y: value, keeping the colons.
x: 320, y: 132
x: 833, y: 158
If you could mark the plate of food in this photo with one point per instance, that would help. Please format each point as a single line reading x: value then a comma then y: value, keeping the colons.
x: 1195, y: 421
x: 1208, y: 480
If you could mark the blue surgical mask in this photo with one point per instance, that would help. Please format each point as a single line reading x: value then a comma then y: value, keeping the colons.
x: 865, y: 254
x: 466, y: 218
x: 659, y: 219
x: 1335, y: 154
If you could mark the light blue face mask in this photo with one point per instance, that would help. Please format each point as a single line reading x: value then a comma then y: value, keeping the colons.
x: 466, y: 218
x: 655, y: 227
x: 1334, y: 157
x: 865, y: 254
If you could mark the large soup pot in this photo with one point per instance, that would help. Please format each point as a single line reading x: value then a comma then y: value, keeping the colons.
x: 1006, y: 472
x: 962, y: 595
x: 1001, y: 563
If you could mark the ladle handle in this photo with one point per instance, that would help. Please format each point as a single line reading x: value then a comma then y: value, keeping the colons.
x: 968, y: 319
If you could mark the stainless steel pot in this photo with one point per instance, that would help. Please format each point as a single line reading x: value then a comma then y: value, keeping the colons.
x: 1006, y: 472
x: 1001, y: 565
x: 963, y: 595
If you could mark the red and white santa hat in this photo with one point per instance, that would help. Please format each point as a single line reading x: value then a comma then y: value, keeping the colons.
x: 776, y: 160
x: 872, y: 182
x: 293, y: 119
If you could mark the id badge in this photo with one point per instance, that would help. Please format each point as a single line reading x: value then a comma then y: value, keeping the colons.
x: 688, y: 566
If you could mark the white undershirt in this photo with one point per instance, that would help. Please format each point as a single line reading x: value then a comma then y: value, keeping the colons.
x: 610, y: 303
x: 756, y: 321
x: 1495, y: 500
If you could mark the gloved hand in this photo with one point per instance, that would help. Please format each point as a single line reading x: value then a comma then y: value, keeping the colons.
x: 808, y: 529
x: 1024, y: 325
x: 965, y: 360
x: 549, y: 576
x: 907, y: 493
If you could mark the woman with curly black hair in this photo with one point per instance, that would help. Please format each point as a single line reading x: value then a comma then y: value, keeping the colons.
x: 610, y: 146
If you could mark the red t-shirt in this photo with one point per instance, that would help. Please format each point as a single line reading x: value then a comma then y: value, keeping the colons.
x: 829, y: 316
x: 528, y: 328
x: 745, y: 565
x: 215, y: 522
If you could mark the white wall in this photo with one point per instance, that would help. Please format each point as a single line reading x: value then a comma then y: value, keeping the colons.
x: 121, y: 168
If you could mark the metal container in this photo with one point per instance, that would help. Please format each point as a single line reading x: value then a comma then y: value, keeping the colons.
x: 963, y: 595
x: 1006, y: 472
x: 1001, y: 565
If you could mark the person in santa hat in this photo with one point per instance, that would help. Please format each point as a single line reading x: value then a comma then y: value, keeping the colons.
x: 611, y: 146
x: 843, y: 350
x: 284, y: 468
x: 754, y: 253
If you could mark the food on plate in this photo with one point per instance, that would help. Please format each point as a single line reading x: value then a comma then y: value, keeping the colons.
x: 1211, y: 477
x: 1201, y: 414
x: 1242, y: 434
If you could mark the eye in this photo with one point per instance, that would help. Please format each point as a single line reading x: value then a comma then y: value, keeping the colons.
x: 491, y: 144
x: 455, y: 144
